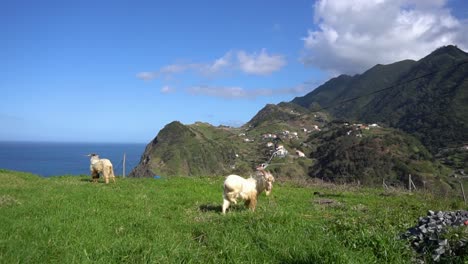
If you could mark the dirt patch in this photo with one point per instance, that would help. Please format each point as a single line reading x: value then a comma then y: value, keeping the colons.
x: 326, y: 201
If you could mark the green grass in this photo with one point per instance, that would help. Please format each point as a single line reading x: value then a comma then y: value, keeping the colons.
x: 177, y: 220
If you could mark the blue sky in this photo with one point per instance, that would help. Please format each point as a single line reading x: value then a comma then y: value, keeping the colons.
x: 119, y: 71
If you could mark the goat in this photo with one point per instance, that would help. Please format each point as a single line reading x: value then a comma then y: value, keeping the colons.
x: 247, y: 189
x: 101, y: 167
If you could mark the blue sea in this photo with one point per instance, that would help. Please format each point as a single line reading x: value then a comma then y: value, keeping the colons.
x: 57, y: 159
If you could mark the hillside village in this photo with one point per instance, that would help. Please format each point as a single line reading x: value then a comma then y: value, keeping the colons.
x: 279, y: 150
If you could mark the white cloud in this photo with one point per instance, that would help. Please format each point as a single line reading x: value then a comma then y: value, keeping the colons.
x: 176, y: 68
x: 236, y: 92
x: 218, y: 65
x: 167, y: 89
x: 352, y: 36
x: 260, y: 64
x: 202, y: 68
x: 255, y: 64
x: 224, y: 92
x: 147, y: 75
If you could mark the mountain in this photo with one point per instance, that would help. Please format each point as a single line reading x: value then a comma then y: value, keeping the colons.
x: 198, y: 149
x: 201, y: 149
x: 420, y: 109
x: 333, y: 151
x: 344, y: 87
x: 426, y: 98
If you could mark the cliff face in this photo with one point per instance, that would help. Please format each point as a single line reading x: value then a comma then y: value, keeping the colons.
x: 143, y: 169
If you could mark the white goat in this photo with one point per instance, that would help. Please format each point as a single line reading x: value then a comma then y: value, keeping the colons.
x: 101, y: 167
x: 247, y: 189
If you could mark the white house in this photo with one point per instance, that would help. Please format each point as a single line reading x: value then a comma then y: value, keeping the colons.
x: 281, y: 151
x: 300, y: 154
x: 266, y: 136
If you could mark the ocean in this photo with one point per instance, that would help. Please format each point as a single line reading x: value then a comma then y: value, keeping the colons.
x: 56, y: 159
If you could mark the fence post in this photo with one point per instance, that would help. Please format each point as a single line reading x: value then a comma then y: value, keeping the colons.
x: 463, y: 192
x: 409, y: 183
x: 123, y: 170
x: 384, y: 184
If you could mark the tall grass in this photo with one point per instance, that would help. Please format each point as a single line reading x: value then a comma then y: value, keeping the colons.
x: 177, y: 220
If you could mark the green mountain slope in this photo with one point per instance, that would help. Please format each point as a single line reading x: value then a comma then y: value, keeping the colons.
x: 198, y: 149
x: 205, y: 150
x: 350, y: 153
x: 433, y: 108
x: 344, y: 87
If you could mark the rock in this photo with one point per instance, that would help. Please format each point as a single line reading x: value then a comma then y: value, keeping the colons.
x: 425, y: 237
x: 440, y: 250
x: 443, y: 242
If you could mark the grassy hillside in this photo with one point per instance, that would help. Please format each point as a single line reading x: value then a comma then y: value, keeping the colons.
x: 347, y: 153
x: 174, y: 220
x: 434, y: 108
x: 344, y: 87
x: 198, y: 149
x: 430, y: 100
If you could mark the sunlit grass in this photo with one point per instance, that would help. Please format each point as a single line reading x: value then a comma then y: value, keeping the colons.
x: 171, y: 220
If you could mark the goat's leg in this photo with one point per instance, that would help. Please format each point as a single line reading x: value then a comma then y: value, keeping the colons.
x: 107, y: 171
x: 232, y: 197
x: 226, y: 204
x: 253, y: 203
x: 94, y: 176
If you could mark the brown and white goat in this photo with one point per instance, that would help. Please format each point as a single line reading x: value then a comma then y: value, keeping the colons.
x: 246, y: 189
